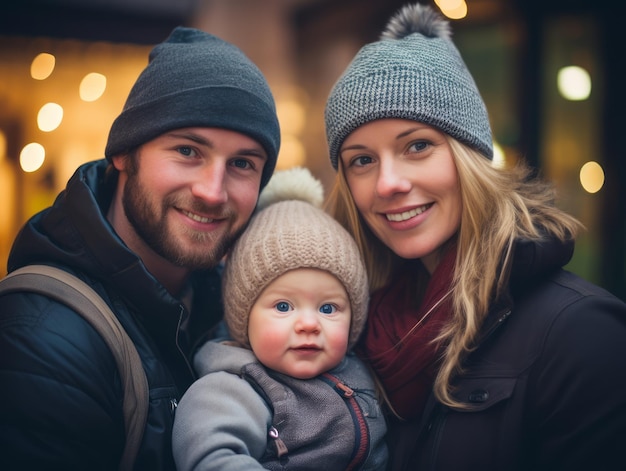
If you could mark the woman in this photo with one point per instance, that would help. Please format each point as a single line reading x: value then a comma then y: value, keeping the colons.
x: 490, y: 355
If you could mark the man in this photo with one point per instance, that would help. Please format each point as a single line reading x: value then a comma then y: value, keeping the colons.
x: 146, y: 228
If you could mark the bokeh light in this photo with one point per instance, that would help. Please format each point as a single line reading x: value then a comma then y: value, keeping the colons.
x: 592, y: 177
x: 49, y: 117
x: 32, y: 157
x: 574, y: 83
x: 92, y: 86
x: 42, y: 66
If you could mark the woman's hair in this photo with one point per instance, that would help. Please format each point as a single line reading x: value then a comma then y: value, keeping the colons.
x: 500, y: 205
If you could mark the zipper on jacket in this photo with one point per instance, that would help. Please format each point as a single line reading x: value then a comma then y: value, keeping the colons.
x: 281, y: 448
x: 502, y: 317
x: 436, y: 428
x: 361, y: 448
x: 180, y: 322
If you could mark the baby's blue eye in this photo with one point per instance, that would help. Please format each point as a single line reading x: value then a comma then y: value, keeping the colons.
x: 327, y: 309
x: 282, y: 306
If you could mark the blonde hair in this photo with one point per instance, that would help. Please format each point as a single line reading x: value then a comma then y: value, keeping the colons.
x: 499, y: 206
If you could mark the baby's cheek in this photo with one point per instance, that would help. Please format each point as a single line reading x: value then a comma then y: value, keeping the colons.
x: 338, y: 340
x: 268, y: 343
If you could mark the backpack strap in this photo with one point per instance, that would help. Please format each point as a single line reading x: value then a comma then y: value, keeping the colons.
x: 76, y: 294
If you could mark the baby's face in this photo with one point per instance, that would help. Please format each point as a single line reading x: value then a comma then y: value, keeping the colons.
x: 299, y: 325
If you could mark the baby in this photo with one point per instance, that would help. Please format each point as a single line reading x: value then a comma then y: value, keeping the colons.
x: 287, y: 393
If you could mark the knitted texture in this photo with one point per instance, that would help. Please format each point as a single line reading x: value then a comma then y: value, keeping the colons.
x: 197, y: 79
x: 285, y: 236
x: 413, y: 72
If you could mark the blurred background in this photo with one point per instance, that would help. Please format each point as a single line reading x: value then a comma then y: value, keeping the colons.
x: 550, y: 71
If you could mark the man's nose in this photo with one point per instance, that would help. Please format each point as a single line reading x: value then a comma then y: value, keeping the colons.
x: 209, y: 184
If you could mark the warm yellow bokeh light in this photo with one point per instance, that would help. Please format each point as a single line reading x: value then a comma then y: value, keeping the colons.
x: 453, y: 9
x: 574, y: 83
x: 3, y: 145
x: 592, y: 177
x: 92, y: 86
x: 42, y: 66
x: 499, y: 158
x: 49, y: 117
x: 291, y: 116
x: 449, y: 4
x: 292, y: 153
x: 32, y: 157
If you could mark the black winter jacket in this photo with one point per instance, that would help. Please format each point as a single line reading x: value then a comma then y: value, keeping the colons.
x: 546, y: 387
x: 60, y: 389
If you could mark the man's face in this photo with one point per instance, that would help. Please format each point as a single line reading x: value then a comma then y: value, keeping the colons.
x: 188, y: 194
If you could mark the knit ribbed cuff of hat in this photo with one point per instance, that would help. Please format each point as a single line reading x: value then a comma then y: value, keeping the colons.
x: 205, y: 106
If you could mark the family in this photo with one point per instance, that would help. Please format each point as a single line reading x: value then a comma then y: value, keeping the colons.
x: 418, y: 317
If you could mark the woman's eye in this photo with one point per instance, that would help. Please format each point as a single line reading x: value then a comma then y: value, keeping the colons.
x: 283, y: 306
x: 328, y: 309
x: 419, y: 146
x: 361, y: 161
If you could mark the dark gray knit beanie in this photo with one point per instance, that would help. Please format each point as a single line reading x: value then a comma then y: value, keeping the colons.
x: 196, y: 79
x: 413, y: 72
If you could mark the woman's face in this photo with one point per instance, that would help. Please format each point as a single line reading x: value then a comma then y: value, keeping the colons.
x: 404, y: 182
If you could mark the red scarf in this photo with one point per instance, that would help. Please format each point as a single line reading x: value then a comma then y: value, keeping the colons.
x: 407, y: 364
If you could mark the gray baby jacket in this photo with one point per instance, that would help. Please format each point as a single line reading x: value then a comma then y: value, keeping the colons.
x: 240, y: 415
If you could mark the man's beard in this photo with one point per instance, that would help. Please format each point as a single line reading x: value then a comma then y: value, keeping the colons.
x: 205, y: 250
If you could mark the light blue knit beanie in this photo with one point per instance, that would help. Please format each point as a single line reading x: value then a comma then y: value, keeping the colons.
x: 196, y: 79
x: 413, y: 72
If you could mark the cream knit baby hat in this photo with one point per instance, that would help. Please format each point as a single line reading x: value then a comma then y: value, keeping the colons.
x: 290, y: 231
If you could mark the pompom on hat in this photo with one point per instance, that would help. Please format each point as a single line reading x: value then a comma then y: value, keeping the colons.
x: 413, y: 72
x: 291, y: 231
x: 196, y: 79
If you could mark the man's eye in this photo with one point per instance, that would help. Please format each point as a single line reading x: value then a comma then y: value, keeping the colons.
x: 328, y: 309
x: 242, y: 163
x: 282, y: 306
x: 186, y: 151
